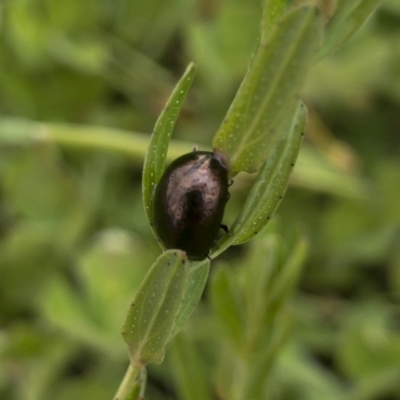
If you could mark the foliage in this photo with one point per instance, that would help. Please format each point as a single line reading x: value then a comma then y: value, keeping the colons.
x: 79, y: 80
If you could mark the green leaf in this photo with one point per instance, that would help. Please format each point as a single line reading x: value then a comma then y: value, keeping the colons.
x: 66, y: 311
x: 314, y: 171
x: 268, y: 95
x: 269, y: 280
x: 270, y: 347
x: 368, y: 345
x: 260, y: 269
x: 197, y: 281
x: 295, y: 368
x: 271, y: 183
x: 348, y: 18
x: 226, y: 300
x: 154, y: 163
x: 272, y: 11
x: 189, y: 371
x: 154, y: 310
x: 289, y: 274
x: 269, y: 187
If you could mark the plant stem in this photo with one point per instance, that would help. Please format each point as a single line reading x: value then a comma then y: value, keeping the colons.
x: 22, y: 132
x: 133, y: 385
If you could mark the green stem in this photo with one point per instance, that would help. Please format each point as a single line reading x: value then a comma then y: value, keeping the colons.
x: 133, y: 385
x: 21, y: 132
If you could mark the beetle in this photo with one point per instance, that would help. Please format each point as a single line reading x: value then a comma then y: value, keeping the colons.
x: 189, y: 202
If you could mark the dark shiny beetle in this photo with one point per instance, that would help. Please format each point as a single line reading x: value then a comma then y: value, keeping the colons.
x: 189, y: 202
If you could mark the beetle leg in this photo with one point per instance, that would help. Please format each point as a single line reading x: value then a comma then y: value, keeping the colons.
x: 225, y: 228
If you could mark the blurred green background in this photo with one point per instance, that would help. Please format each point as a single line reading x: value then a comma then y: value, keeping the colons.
x: 74, y: 242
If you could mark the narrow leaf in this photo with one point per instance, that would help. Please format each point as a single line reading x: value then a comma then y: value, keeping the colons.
x: 269, y: 187
x: 271, y: 183
x: 154, y: 163
x: 261, y: 369
x: 272, y: 11
x: 194, y: 290
x: 154, y: 310
x: 259, y: 271
x: 269, y: 92
x: 227, y: 305
x: 189, y: 371
x: 290, y: 272
x: 349, y: 17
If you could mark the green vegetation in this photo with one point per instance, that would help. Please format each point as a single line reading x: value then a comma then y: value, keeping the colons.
x: 308, y: 308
